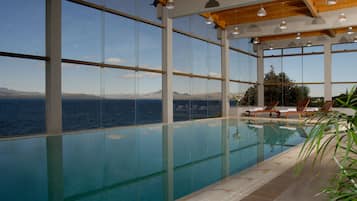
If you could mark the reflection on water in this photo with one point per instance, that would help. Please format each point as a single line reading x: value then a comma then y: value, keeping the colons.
x: 158, y: 163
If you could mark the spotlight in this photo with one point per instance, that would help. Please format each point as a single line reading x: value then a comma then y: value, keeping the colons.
x: 236, y: 31
x: 261, y: 12
x: 170, y: 4
x: 355, y: 39
x: 309, y: 44
x: 350, y: 31
x: 283, y: 25
x: 298, y: 36
x: 256, y: 40
x: 331, y: 2
x: 271, y: 47
x: 209, y: 20
x: 342, y: 17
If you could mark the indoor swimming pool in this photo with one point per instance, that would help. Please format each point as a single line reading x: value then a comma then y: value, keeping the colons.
x: 152, y: 163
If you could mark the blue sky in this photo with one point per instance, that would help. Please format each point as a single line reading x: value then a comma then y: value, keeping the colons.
x: 131, y: 43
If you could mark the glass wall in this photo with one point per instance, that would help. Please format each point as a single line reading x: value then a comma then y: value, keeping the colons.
x: 96, y: 95
x: 294, y: 74
x: 22, y: 80
x: 243, y: 73
x: 197, y: 70
x: 344, y: 58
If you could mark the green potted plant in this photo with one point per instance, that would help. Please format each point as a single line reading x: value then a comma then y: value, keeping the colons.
x: 338, y: 131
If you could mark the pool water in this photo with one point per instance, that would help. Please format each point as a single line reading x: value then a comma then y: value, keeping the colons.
x: 148, y: 163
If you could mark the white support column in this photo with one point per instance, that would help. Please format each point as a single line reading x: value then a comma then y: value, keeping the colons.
x: 225, y: 73
x: 168, y: 161
x: 260, y: 76
x: 53, y: 67
x: 328, y: 77
x: 167, y: 94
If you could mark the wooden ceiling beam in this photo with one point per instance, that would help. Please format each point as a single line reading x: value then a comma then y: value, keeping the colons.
x: 310, y: 4
x: 330, y: 32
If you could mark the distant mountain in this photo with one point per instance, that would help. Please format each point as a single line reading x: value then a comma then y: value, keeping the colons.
x: 9, y: 93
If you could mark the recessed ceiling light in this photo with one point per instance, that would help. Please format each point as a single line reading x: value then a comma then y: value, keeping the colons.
x: 298, y: 36
x: 170, y: 4
x: 212, y: 4
x: 309, y: 44
x: 331, y: 2
x: 256, y: 40
x: 209, y: 20
x: 350, y: 31
x: 236, y: 31
x: 342, y: 17
x: 283, y: 25
x: 261, y: 12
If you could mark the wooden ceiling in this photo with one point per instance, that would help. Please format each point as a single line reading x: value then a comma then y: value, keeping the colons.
x: 276, y: 9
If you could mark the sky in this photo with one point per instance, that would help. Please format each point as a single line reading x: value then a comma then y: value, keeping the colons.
x: 91, y: 35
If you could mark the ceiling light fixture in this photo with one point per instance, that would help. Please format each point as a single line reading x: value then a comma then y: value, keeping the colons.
x: 212, y: 4
x: 209, y: 20
x: 342, y: 17
x: 261, y: 12
x: 256, y: 41
x: 236, y: 31
x: 271, y: 47
x: 298, y: 36
x: 355, y: 39
x: 283, y: 25
x: 350, y: 31
x: 170, y: 4
x: 331, y: 2
x: 309, y: 44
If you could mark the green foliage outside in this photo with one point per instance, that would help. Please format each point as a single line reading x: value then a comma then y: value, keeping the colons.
x: 279, y: 87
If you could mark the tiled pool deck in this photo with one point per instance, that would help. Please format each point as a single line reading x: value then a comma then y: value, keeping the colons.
x: 271, y: 180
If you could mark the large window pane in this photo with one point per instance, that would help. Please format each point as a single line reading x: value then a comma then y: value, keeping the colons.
x: 340, y: 91
x: 199, y: 57
x: 344, y: 67
x: 81, y: 32
x: 316, y: 94
x: 214, y: 103
x: 292, y: 67
x: 22, y: 102
x: 118, y: 104
x: 199, y: 98
x: 148, y: 102
x: 182, y: 96
x: 313, y: 68
x: 182, y: 57
x: 195, y: 24
x: 214, y: 60
x: 140, y: 8
x: 344, y: 46
x: 249, y: 92
x: 242, y: 44
x: 313, y: 49
x: 149, y: 46
x: 120, y: 41
x: 80, y: 97
x: 23, y: 26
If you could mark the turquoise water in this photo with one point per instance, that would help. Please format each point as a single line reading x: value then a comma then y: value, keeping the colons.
x: 149, y: 163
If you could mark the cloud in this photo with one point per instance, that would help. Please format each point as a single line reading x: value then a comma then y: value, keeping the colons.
x: 114, y: 60
x: 141, y: 75
x: 213, y: 74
